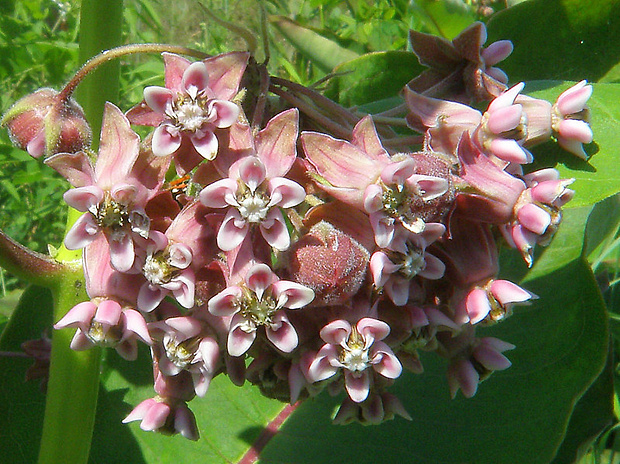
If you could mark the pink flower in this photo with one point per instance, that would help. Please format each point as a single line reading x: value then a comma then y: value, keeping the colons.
x: 570, y: 117
x: 256, y: 189
x: 104, y: 322
x: 185, y: 344
x: 377, y: 408
x: 166, y: 416
x: 394, y: 266
x: 354, y: 349
x: 493, y: 301
x: 113, y: 193
x: 259, y: 301
x: 195, y: 102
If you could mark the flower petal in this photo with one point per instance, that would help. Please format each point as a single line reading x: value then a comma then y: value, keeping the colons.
x: 357, y: 387
x: 159, y: 99
x: 206, y: 144
x: 282, y: 333
x: 166, y: 140
x: 83, y: 198
x: 83, y: 232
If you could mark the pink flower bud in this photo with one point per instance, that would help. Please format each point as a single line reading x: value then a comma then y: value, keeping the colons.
x: 44, y: 123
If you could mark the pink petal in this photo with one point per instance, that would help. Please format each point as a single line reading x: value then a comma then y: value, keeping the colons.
x: 108, y: 313
x: 166, y: 140
x: 150, y: 296
x: 185, y: 423
x: 291, y: 294
x: 206, y: 144
x: 155, y: 417
x: 259, y: 277
x: 573, y: 146
x: 159, y: 99
x: 75, y: 167
x: 80, y: 341
x: 506, y: 292
x: 509, y: 150
x: 373, y: 198
x: 491, y: 359
x: 134, y: 322
x: 219, y: 194
x: 574, y: 100
x: 385, y: 362
x: 396, y: 173
x: 210, y: 353
x: 477, y: 304
x: 507, y: 98
x: 274, y: 230
x: 239, y: 340
x: 284, y: 337
x: 434, y: 269
x: 496, y: 52
x: 430, y: 187
x: 83, y: 232
x: 398, y: 290
x: 275, y: 144
x: 364, y: 136
x: 175, y: 66
x: 381, y: 268
x: 83, y: 198
x: 232, y: 231
x: 122, y: 253
x: 373, y: 329
x: 576, y: 130
x: 336, y: 332
x: 195, y: 78
x: 140, y: 411
x: 463, y: 375
x: 319, y: 368
x: 80, y: 315
x: 383, y: 228
x: 186, y: 326
x: 227, y: 113
x: 118, y: 149
x: 180, y: 255
x: 357, y: 387
x: 124, y: 193
x: 252, y: 172
x: 505, y: 119
x: 534, y: 218
x: 225, y: 302
x: 127, y: 349
x: 225, y: 73
x: 285, y: 193
x: 184, y: 294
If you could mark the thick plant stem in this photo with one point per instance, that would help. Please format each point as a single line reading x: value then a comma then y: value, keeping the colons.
x: 73, y: 385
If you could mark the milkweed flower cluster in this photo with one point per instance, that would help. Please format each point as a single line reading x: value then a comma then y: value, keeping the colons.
x: 301, y: 261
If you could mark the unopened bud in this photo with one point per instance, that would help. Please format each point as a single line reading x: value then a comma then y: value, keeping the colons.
x: 44, y: 123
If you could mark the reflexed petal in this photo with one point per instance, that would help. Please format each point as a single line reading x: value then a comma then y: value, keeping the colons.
x: 284, y: 337
x: 336, y: 332
x: 80, y: 315
x: 195, y: 78
x: 127, y: 349
x: 185, y: 293
x: 225, y: 302
x: 534, y: 218
x: 496, y: 52
x: 291, y: 294
x: 463, y: 375
x: 373, y: 328
x: 219, y: 194
x: 357, y: 387
x: 150, y: 296
x: 477, y: 304
x: 507, y: 98
x: 186, y: 326
x: 239, y: 340
x: 274, y: 230
x: 506, y: 292
x: 206, y: 144
x: 227, y: 113
x: 573, y: 146
x: 122, y: 253
x: 381, y: 268
x: 576, y: 130
x: 210, y: 353
x: 83, y: 198
x: 159, y: 99
x: 166, y: 140
x: 155, y: 417
x: 398, y: 290
x: 384, y: 361
x: 574, y: 99
x: 259, y: 277
x: 80, y: 341
x: 319, y: 368
x: 252, y: 172
x: 83, y: 232
x: 140, y: 411
x: 396, y: 173
x: 285, y: 193
x: 134, y: 322
x: 510, y: 150
x: 108, y: 313
x: 232, y: 231
x: 275, y: 144
x: 491, y: 359
x: 185, y: 423
x: 505, y: 119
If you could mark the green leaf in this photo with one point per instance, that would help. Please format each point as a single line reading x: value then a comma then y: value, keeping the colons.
x: 372, y: 77
x: 592, y: 414
x: 22, y: 404
x: 448, y: 18
x: 230, y: 419
x: 559, y: 39
x: 599, y: 176
x: 323, y: 52
x: 518, y: 416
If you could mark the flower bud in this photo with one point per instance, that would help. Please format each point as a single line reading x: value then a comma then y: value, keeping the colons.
x: 44, y: 123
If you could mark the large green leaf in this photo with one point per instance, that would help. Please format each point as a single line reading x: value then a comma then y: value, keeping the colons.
x: 518, y: 416
x: 22, y: 403
x: 323, y: 52
x: 373, y: 77
x: 559, y: 39
x: 230, y: 419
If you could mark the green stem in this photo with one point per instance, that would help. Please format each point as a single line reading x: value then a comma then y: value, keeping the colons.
x: 71, y: 400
